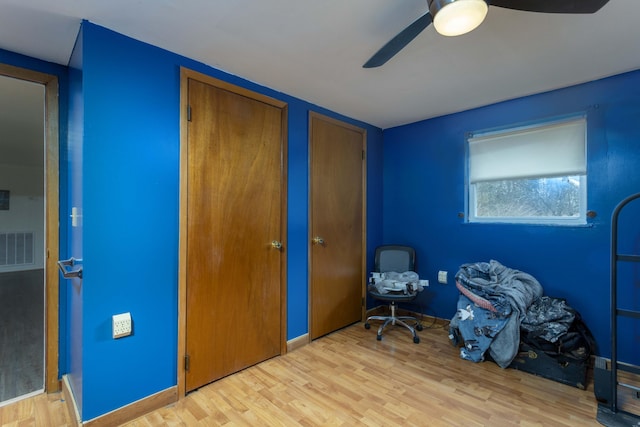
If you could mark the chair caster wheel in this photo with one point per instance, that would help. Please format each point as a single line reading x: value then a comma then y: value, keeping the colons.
x: 419, y: 327
x: 367, y: 326
x: 416, y: 340
x: 379, y: 337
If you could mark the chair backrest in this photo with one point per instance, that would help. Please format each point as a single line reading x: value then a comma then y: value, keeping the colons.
x: 395, y: 258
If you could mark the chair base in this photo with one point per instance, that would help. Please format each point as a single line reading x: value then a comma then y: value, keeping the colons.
x: 395, y: 320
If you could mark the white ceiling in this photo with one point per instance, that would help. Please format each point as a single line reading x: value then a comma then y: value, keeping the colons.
x: 314, y: 50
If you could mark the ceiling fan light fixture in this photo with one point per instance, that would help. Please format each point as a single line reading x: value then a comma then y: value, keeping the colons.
x: 457, y: 17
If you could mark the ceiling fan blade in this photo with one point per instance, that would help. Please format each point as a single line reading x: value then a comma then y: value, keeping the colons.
x: 397, y: 43
x: 552, y: 6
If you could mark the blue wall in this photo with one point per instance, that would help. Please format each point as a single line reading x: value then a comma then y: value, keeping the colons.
x: 424, y: 191
x: 129, y: 114
x: 73, y: 168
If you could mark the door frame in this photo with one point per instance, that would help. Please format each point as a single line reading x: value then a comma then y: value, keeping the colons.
x: 185, y: 75
x: 52, y: 216
x: 363, y: 132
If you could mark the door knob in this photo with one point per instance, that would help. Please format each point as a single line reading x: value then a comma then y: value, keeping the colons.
x: 276, y: 245
x: 318, y: 240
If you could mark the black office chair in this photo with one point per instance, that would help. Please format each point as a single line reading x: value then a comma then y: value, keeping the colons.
x: 399, y: 259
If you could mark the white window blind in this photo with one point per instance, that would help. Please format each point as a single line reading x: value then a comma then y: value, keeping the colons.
x: 556, y: 149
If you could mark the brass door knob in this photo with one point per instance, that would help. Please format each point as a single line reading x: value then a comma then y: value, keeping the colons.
x: 276, y: 244
x: 318, y: 240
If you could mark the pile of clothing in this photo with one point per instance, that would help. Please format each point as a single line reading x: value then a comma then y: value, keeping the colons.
x: 503, y: 316
x: 493, y: 302
x: 407, y: 282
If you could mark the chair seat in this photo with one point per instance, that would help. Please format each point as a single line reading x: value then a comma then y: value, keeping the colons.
x: 393, y: 296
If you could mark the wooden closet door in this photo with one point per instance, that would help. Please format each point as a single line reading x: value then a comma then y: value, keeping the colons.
x: 337, y: 219
x: 234, y: 205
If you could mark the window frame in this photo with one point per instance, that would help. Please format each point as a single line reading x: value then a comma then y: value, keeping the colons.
x: 471, y: 196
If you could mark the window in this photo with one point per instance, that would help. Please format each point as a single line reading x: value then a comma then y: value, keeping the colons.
x: 533, y: 174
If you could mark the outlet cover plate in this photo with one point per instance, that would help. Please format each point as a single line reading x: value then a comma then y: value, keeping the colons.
x: 442, y: 276
x: 121, y: 325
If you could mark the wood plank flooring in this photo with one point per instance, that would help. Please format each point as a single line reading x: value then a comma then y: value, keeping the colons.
x: 350, y: 379
x: 43, y: 410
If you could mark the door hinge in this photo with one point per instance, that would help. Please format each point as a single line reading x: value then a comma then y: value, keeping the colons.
x: 362, y: 154
x: 187, y: 362
x: 188, y: 113
x: 364, y: 301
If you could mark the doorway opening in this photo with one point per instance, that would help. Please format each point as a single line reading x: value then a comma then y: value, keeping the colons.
x: 28, y: 233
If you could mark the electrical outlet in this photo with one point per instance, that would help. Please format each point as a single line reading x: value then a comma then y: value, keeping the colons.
x: 442, y: 277
x: 121, y: 325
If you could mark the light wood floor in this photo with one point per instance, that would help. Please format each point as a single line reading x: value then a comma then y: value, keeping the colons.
x: 348, y: 378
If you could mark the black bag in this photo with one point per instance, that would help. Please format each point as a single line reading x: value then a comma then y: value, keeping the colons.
x: 565, y: 360
x: 577, y: 343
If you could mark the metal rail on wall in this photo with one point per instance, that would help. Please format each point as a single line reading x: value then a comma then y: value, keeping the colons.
x: 606, y: 382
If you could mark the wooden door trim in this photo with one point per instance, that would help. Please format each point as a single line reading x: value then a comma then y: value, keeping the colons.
x: 185, y: 75
x: 363, y: 132
x: 52, y: 204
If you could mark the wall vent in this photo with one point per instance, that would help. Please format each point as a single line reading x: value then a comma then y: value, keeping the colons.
x: 16, y: 249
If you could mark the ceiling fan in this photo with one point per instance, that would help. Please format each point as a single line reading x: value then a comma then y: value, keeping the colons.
x: 457, y: 17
